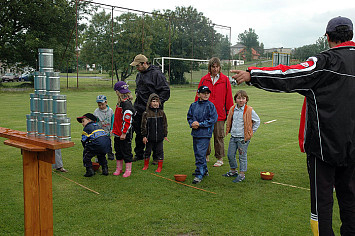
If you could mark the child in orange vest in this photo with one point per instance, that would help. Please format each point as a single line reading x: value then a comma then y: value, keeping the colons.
x: 242, y: 123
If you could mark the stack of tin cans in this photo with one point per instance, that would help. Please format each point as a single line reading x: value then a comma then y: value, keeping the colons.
x: 48, y: 118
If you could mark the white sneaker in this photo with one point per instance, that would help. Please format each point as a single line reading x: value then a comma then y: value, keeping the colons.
x: 218, y: 163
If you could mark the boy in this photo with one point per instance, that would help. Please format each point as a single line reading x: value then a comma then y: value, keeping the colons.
x: 95, y: 143
x: 105, y: 115
x: 242, y: 123
x: 201, y: 116
x: 154, y: 130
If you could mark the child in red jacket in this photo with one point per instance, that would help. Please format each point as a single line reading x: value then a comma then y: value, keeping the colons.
x: 122, y: 128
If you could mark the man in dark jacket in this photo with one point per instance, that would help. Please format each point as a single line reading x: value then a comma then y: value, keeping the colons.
x: 149, y: 80
x: 327, y: 81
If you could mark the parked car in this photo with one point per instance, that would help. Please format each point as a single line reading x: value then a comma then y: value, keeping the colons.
x: 25, y: 76
x: 10, y: 77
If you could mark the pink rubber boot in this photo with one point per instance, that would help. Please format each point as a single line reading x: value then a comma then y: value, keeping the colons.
x: 118, y: 168
x: 146, y: 164
x: 128, y: 171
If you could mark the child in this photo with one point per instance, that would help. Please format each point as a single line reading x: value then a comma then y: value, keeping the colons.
x: 242, y: 122
x: 201, y: 116
x: 122, y: 128
x: 105, y: 115
x: 95, y: 143
x: 154, y: 130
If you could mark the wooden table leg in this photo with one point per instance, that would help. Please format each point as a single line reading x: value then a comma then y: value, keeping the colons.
x: 45, y: 193
x: 31, y: 194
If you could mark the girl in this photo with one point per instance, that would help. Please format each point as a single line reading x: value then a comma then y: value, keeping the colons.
x: 122, y: 128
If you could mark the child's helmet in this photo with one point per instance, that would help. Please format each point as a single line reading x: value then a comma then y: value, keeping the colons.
x: 101, y: 98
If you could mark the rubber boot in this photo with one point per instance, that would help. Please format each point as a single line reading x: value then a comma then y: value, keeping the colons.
x: 160, y: 166
x: 146, y: 164
x: 118, y: 168
x: 128, y: 171
x: 105, y: 170
x: 89, y: 172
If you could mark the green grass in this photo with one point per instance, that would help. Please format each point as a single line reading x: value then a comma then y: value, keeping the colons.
x: 145, y: 204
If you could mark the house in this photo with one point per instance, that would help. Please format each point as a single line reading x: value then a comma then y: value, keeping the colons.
x: 239, y: 49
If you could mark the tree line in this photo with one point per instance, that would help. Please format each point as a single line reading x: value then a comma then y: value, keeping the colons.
x: 26, y: 25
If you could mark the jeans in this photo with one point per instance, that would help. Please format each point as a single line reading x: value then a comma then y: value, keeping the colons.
x: 242, y: 147
x: 200, y: 148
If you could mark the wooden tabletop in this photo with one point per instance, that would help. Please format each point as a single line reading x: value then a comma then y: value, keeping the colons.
x: 20, y: 136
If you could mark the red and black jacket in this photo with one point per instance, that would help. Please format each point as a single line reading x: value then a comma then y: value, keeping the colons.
x: 327, y: 81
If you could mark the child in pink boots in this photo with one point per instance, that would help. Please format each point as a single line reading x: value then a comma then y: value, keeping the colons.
x: 154, y: 129
x: 122, y: 128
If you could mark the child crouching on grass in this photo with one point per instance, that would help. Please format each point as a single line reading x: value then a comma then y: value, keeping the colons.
x: 95, y: 143
x: 201, y: 117
x: 122, y: 128
x: 242, y: 123
x: 154, y: 131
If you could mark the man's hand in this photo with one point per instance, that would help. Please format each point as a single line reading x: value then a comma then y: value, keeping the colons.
x: 145, y: 140
x: 241, y: 76
x: 123, y: 136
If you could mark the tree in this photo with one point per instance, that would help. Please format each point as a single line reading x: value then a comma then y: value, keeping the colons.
x: 26, y: 25
x: 304, y: 52
x: 250, y: 40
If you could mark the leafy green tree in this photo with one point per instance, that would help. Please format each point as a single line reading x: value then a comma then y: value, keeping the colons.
x: 250, y: 39
x: 26, y: 25
x: 304, y: 52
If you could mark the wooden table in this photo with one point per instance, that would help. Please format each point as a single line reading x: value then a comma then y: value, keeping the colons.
x: 38, y: 157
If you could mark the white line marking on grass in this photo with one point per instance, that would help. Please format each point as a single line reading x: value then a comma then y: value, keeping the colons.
x: 76, y: 183
x: 183, y: 184
x: 270, y: 121
x: 292, y: 186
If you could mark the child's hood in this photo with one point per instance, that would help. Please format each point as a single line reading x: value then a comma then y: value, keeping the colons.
x: 151, y: 97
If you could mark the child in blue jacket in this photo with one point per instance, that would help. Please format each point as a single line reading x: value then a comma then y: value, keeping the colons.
x: 201, y: 116
x: 95, y: 142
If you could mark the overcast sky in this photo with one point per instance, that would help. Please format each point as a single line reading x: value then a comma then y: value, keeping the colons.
x: 278, y: 23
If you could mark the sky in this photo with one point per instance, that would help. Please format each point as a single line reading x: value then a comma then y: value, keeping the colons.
x: 278, y: 23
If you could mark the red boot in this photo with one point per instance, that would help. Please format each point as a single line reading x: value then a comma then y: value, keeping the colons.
x: 160, y: 166
x: 146, y: 164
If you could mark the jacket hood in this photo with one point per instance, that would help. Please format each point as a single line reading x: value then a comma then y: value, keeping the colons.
x: 153, y: 95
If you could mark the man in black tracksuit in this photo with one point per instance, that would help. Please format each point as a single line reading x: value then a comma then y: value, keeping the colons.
x: 327, y: 130
x: 149, y: 80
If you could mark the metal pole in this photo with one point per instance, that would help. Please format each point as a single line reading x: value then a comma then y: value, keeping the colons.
x: 76, y: 44
x: 143, y: 33
x: 112, y: 47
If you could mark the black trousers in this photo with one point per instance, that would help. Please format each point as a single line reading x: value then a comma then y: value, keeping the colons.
x: 123, y: 148
x: 88, y: 155
x: 157, y: 148
x: 139, y: 148
x: 322, y: 178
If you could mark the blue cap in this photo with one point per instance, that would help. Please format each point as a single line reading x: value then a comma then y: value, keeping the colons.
x: 338, y: 21
x: 101, y: 98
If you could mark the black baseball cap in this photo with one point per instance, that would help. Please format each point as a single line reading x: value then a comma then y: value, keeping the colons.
x: 203, y: 89
x: 88, y: 116
x: 338, y: 21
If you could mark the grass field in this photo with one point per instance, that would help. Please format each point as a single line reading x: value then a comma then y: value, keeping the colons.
x: 146, y: 204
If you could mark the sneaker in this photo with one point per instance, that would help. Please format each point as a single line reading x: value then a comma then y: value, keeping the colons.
x: 208, y: 158
x: 218, y: 163
x: 196, y: 180
x: 231, y: 174
x: 239, y: 179
x: 137, y: 158
x: 61, y: 169
x: 155, y: 162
